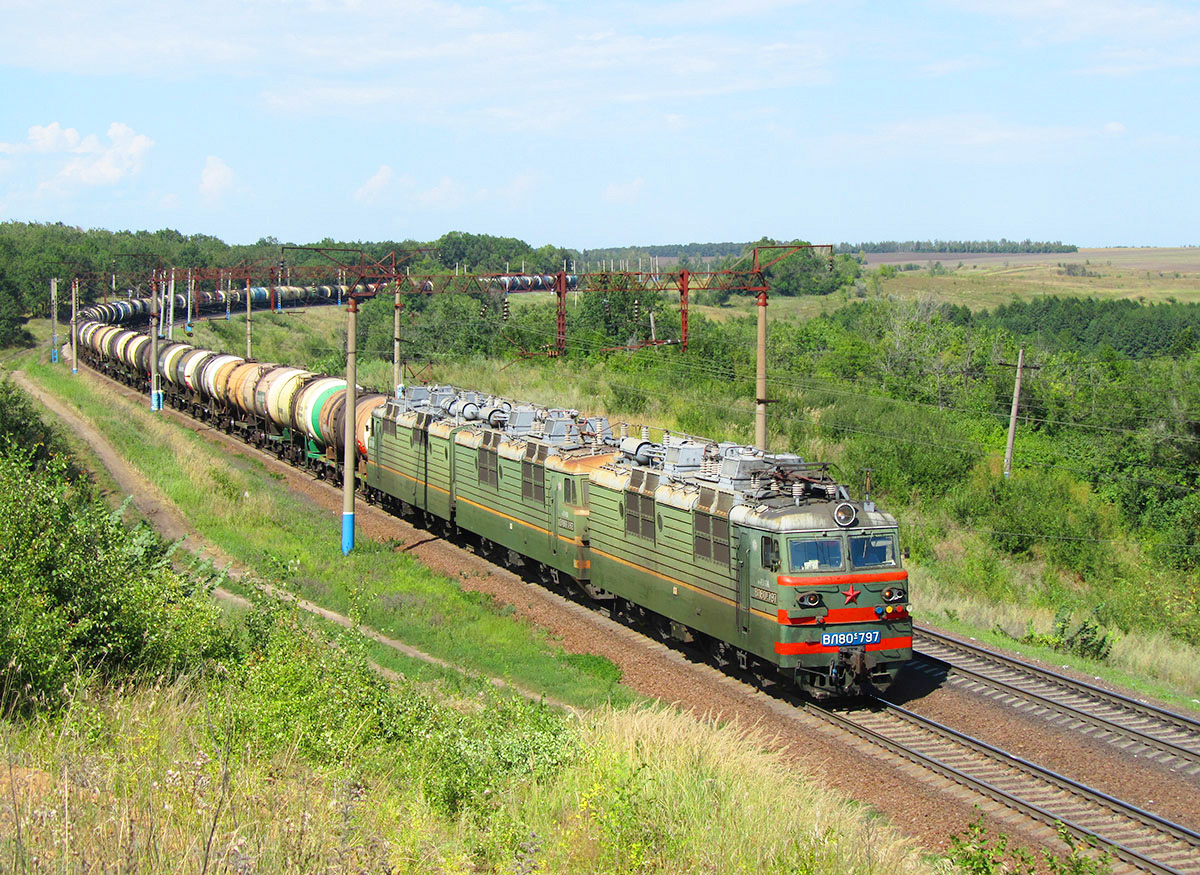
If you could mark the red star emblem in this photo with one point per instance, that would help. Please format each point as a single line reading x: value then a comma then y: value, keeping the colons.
x: 852, y: 594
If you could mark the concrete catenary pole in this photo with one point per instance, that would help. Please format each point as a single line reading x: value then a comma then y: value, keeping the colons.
x: 53, y: 319
x: 1012, y: 417
x: 396, y: 344
x: 171, y: 307
x: 155, y: 394
x: 349, y: 455
x: 248, y: 354
x: 760, y: 376
x: 75, y: 327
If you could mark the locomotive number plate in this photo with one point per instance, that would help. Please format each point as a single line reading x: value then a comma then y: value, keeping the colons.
x: 849, y: 639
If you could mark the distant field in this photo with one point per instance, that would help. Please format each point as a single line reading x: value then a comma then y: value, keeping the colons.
x: 1184, y: 259
x: 1152, y: 275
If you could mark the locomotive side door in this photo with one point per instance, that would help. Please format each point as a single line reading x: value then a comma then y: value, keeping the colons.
x: 555, y: 498
x: 745, y: 567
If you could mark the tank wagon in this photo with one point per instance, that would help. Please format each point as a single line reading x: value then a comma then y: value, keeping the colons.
x: 762, y: 559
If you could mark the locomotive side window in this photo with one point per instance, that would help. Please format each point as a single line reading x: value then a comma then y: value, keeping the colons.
x: 710, y: 538
x: 568, y: 490
x: 823, y: 554
x: 639, y: 515
x: 873, y: 551
x: 533, y: 481
x: 488, y: 468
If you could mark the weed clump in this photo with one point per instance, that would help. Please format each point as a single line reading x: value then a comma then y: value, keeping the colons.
x: 1088, y: 639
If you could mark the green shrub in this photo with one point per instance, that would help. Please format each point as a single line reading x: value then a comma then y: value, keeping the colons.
x: 80, y: 592
x: 297, y: 690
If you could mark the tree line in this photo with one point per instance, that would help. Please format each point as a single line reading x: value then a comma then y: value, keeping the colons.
x: 1003, y: 245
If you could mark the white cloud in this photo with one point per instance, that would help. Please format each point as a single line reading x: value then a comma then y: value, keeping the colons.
x: 951, y: 66
x: 967, y: 138
x: 623, y: 192
x: 375, y: 187
x: 215, y: 179
x: 448, y: 194
x: 1127, y: 36
x: 515, y: 190
x: 44, y: 138
x: 63, y: 160
x: 98, y: 164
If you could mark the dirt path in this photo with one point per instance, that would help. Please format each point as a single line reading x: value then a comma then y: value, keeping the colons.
x: 928, y: 812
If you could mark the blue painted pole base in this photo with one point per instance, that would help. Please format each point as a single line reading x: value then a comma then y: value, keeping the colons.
x: 347, y: 533
x: 156, y: 400
x: 54, y: 356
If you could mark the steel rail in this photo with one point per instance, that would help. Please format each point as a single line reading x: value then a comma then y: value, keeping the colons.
x: 1111, y: 724
x: 1147, y: 820
x: 1097, y: 720
x: 1171, y: 719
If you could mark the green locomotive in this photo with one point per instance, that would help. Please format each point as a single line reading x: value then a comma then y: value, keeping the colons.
x: 762, y: 558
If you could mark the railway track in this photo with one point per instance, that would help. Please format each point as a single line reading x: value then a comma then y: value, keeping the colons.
x: 1140, y: 839
x: 1136, y: 728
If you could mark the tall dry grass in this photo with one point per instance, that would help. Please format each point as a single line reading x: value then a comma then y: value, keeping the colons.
x: 139, y: 779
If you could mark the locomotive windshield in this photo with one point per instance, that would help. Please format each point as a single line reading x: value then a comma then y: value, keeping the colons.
x: 824, y: 554
x: 873, y: 550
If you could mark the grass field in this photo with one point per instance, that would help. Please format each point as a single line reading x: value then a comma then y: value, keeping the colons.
x: 986, y: 281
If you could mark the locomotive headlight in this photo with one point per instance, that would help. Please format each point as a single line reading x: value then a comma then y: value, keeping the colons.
x: 809, y: 600
x: 844, y: 514
x: 893, y: 594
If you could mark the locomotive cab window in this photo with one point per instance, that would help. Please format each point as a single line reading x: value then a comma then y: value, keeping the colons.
x: 769, y: 552
x: 874, y: 550
x: 818, y: 554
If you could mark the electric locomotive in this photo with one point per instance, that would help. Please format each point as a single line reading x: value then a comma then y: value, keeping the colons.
x: 763, y: 559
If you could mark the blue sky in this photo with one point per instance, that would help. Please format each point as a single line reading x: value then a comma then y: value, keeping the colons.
x: 606, y: 123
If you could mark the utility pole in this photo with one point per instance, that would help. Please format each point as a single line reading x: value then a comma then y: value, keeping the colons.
x: 187, y: 326
x: 349, y: 454
x: 75, y: 327
x: 54, y: 319
x: 1012, y: 417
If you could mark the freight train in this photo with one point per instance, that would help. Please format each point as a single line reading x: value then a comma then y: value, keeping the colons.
x: 762, y: 559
